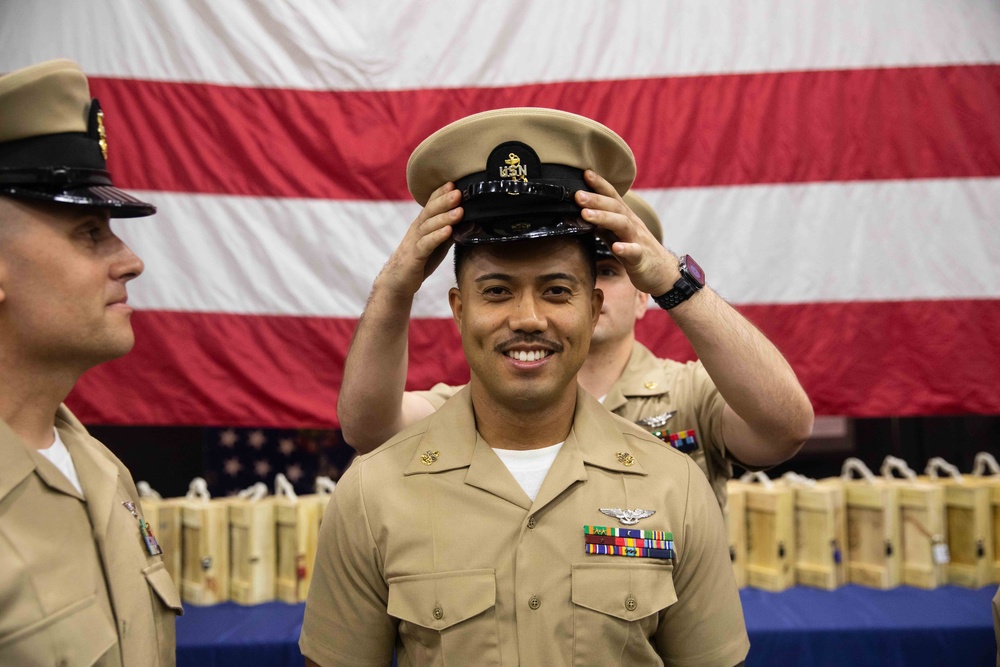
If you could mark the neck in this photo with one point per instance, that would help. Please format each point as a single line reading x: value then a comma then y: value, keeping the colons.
x: 28, y: 402
x: 520, y: 426
x: 604, y: 365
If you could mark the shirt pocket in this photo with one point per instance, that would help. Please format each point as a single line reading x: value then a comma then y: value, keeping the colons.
x: 616, y: 609
x: 78, y: 634
x: 446, y: 618
x: 166, y: 608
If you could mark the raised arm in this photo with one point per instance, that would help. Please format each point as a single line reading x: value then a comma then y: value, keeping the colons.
x: 373, y: 405
x: 768, y: 415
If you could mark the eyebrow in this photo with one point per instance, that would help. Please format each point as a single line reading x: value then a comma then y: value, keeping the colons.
x: 548, y: 277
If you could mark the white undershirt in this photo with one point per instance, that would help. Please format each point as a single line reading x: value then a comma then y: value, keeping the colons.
x: 60, y: 458
x: 530, y: 466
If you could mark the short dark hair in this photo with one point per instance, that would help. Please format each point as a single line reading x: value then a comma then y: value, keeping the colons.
x: 586, y: 242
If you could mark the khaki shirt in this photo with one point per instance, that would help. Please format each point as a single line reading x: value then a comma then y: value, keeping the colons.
x: 651, y: 386
x: 77, y: 585
x: 431, y: 547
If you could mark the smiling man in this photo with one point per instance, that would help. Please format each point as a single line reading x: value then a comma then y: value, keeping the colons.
x: 523, y: 523
x: 82, y: 581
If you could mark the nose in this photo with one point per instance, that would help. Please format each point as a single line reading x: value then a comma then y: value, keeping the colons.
x: 527, y: 315
x: 127, y: 264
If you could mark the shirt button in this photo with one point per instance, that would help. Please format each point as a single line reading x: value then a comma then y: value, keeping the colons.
x: 534, y: 602
x: 630, y: 603
x: 531, y: 522
x: 438, y: 613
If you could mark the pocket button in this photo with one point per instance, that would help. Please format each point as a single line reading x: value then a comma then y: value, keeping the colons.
x: 630, y: 603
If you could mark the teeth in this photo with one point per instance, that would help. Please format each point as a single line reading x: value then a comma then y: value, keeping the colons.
x: 534, y: 355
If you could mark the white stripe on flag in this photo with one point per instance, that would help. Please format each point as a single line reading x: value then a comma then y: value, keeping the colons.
x: 866, y: 241
x: 407, y: 44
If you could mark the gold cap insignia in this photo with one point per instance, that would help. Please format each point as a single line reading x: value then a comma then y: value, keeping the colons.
x: 102, y: 134
x: 429, y: 457
x: 514, y: 171
x: 625, y: 458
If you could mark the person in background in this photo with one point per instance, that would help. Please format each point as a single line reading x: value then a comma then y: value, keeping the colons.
x: 82, y: 581
x: 502, y: 528
x: 740, y: 402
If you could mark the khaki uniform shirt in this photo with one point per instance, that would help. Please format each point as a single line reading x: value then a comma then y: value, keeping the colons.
x: 77, y: 585
x: 651, y: 386
x: 431, y: 547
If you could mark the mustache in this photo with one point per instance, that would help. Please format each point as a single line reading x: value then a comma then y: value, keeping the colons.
x: 528, y: 339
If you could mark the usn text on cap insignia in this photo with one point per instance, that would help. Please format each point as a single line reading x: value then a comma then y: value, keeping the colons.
x: 627, y: 517
x: 625, y: 459
x: 429, y: 457
x: 95, y: 127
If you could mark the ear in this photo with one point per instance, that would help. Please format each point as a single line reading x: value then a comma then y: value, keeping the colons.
x: 596, y: 301
x: 455, y: 301
x: 641, y: 304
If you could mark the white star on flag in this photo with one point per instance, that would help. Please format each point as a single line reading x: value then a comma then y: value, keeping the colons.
x: 228, y: 438
x: 262, y: 468
x: 233, y: 466
x: 257, y: 439
x: 294, y: 472
x: 286, y: 446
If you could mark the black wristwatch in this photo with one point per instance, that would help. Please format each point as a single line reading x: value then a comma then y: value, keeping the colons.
x: 692, y: 279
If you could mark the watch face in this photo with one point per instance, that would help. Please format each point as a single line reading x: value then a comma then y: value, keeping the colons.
x: 694, y: 270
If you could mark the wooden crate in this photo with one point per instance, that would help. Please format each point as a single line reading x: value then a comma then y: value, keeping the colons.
x: 873, y: 534
x: 736, y: 527
x: 205, y: 567
x: 969, y: 521
x: 986, y: 473
x: 165, y: 518
x: 252, y: 549
x: 770, y: 531
x: 820, y: 532
x: 923, y: 554
x: 296, y: 537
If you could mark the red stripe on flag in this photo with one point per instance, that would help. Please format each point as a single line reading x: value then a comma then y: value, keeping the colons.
x: 785, y: 127
x: 854, y: 359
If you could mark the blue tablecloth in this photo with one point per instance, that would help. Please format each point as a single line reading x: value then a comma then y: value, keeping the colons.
x: 800, y: 627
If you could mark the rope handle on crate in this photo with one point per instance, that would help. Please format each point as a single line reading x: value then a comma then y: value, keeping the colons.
x: 795, y: 478
x: 253, y: 493
x: 282, y: 487
x: 198, y: 488
x: 146, y: 491
x: 325, y: 485
x: 938, y: 464
x: 759, y: 476
x: 896, y: 464
x: 984, y: 461
x: 856, y: 465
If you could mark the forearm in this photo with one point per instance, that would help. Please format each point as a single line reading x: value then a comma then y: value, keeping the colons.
x: 769, y: 415
x: 370, y: 404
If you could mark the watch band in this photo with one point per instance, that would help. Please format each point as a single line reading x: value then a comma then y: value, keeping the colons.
x: 682, y: 291
x: 684, y: 288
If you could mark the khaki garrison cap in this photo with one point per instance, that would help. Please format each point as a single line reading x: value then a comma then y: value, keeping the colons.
x: 518, y: 170
x: 645, y: 212
x: 53, y: 146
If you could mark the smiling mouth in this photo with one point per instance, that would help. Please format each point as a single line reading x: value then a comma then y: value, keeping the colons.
x: 533, y: 355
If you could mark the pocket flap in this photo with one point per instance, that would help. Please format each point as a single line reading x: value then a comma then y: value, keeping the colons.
x: 627, y: 591
x: 442, y: 599
x: 79, y: 634
x: 160, y: 581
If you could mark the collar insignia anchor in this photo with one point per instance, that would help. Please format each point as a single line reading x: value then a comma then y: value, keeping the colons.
x: 628, y: 517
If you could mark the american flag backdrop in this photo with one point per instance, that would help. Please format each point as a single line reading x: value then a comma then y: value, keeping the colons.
x: 834, y: 166
x: 238, y: 458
